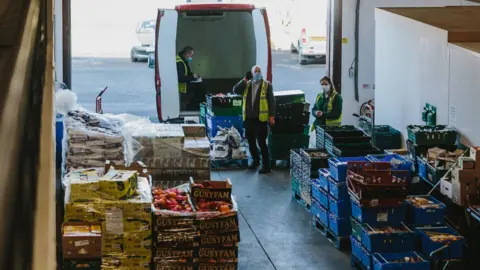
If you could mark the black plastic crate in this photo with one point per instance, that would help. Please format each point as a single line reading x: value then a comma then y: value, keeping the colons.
x: 302, y: 118
x: 386, y: 137
x: 291, y: 109
x: 415, y: 150
x: 297, y: 128
x: 356, y: 151
x: 321, y: 130
x: 317, y: 158
x: 431, y: 135
x: 224, y: 100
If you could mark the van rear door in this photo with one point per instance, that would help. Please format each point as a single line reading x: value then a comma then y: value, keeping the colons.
x: 262, y: 39
x: 166, y: 82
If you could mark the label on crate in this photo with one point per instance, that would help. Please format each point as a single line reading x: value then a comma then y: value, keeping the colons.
x: 219, y: 194
x: 162, y: 223
x: 178, y: 237
x: 114, y: 221
x: 217, y: 266
x: 382, y: 217
x: 82, y: 243
x: 219, y: 239
x: 237, y: 103
x: 218, y: 253
x: 174, y: 253
x: 218, y: 224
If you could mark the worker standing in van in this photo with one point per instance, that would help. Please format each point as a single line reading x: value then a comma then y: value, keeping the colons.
x: 258, y: 112
x: 186, y: 77
x: 328, y: 105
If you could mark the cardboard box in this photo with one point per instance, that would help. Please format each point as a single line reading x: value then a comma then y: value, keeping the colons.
x: 446, y: 187
x: 82, y: 264
x: 174, y: 265
x: 112, y: 244
x: 434, y: 153
x: 217, y: 265
x: 174, y: 253
x: 123, y: 261
x: 220, y: 239
x: 119, y: 184
x: 466, y: 163
x: 194, y: 130
x: 189, y: 162
x: 178, y: 174
x: 218, y: 252
x: 166, y: 223
x: 81, y: 240
x: 465, y: 186
x: 216, y: 190
x: 167, y: 142
x: 216, y: 225
x: 196, y: 147
x: 137, y: 243
x: 177, y: 237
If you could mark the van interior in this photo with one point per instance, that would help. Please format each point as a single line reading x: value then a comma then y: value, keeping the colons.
x: 224, y: 46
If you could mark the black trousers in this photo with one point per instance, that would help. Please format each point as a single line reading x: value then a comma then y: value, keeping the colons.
x: 257, y: 132
x: 190, y: 101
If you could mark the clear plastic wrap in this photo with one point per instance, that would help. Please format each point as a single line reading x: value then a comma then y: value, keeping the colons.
x: 227, y: 144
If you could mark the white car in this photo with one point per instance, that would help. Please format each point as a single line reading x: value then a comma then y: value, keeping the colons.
x: 145, y: 34
x: 307, y: 29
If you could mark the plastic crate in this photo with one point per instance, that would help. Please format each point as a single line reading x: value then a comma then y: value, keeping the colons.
x: 431, y: 135
x: 203, y: 109
x: 295, y: 158
x: 338, y: 190
x: 379, y: 215
x: 285, y: 120
x: 426, y: 215
x: 297, y: 128
x: 214, y: 123
x: 291, y: 109
x: 320, y: 132
x: 430, y: 173
x: 339, y: 226
x: 338, y: 167
x: 415, y: 150
x: 315, y: 162
x: 376, y: 174
x: 389, y: 261
x: 401, y: 240
x: 323, y: 175
x: 319, y: 194
x: 361, y: 253
x: 340, y: 208
x: 386, y: 137
x: 355, y: 151
x: 397, y: 162
x: 224, y: 101
x: 356, y: 229
x: 455, y: 250
x: 295, y: 186
x: 285, y: 142
x: 320, y: 213
x: 376, y: 195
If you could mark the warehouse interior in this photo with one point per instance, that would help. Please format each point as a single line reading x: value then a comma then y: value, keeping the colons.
x: 402, y: 54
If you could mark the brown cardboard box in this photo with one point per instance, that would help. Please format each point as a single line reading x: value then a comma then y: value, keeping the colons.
x: 466, y: 163
x: 81, y: 240
x: 194, y: 130
x: 179, y: 163
x: 179, y: 174
x: 167, y: 142
x: 196, y: 146
x: 434, y: 153
x: 465, y: 186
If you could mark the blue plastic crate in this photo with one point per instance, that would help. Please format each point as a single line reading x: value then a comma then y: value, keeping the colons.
x: 379, y: 215
x: 320, y: 213
x: 319, y: 194
x: 428, y: 245
x: 422, y: 168
x: 338, y: 190
x: 361, y: 253
x: 340, y: 208
x: 425, y: 215
x: 339, y: 226
x: 323, y: 175
x: 401, y: 239
x: 387, y: 261
x: 397, y: 162
x: 215, y: 122
x: 338, y: 167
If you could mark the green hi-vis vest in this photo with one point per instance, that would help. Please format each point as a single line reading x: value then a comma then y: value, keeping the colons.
x: 263, y: 105
x: 182, y: 86
x: 329, y: 122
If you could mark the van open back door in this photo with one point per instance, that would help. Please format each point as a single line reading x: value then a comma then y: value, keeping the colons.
x: 166, y: 80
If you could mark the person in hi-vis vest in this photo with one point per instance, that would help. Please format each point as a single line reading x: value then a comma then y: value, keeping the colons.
x: 258, y: 111
x: 328, y: 105
x: 185, y: 76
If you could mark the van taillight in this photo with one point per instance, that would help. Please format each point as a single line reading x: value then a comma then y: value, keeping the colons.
x: 304, y: 36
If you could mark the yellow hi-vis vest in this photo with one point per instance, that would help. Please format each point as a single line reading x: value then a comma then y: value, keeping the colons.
x: 329, y: 122
x: 263, y: 105
x: 182, y: 86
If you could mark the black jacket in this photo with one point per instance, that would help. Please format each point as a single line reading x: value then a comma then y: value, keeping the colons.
x: 253, y: 111
x: 181, y: 72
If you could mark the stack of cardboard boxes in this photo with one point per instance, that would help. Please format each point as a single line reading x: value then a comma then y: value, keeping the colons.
x: 82, y: 245
x: 175, y: 152
x: 120, y: 201
x: 462, y: 185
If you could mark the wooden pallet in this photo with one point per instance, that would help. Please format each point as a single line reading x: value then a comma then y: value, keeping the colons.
x: 341, y: 243
x: 296, y: 196
x: 225, y: 164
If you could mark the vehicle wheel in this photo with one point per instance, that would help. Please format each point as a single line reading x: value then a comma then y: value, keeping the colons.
x: 293, y: 49
x: 301, y: 60
x: 133, y: 57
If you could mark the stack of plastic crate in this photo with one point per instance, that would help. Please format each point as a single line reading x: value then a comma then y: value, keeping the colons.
x: 380, y: 238
x: 223, y: 111
x: 295, y: 172
x: 312, y: 160
x: 291, y: 127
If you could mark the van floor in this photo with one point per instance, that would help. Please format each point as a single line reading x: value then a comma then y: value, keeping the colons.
x: 276, y: 232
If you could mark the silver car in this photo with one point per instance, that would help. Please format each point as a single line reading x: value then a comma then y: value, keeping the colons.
x: 145, y: 34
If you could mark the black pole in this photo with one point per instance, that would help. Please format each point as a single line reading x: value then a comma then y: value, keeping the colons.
x: 67, y: 43
x: 334, y: 42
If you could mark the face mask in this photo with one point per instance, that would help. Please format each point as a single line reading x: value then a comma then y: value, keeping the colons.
x: 326, y: 88
x: 189, y: 59
x: 257, y: 76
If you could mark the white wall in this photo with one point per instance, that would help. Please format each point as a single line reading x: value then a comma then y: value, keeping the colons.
x: 366, y: 62
x: 464, y: 94
x: 411, y: 68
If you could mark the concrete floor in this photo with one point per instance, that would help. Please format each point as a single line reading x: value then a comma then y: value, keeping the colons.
x: 276, y: 231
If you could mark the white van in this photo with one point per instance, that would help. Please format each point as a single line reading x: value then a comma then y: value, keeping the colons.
x: 228, y: 39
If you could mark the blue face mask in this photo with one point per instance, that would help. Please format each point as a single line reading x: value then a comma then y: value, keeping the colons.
x: 257, y: 76
x: 189, y: 59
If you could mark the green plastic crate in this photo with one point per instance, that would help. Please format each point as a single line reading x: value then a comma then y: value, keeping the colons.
x: 431, y: 135
x: 295, y: 186
x: 203, y: 109
x: 233, y: 111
